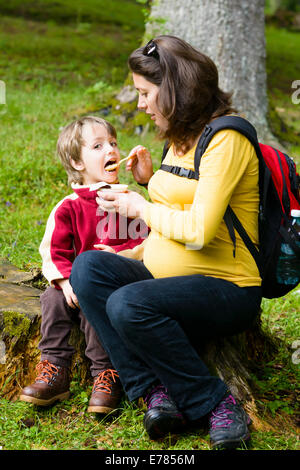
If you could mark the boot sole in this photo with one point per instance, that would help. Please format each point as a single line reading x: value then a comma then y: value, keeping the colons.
x: 100, y: 409
x: 158, y: 424
x: 41, y: 402
x: 231, y: 444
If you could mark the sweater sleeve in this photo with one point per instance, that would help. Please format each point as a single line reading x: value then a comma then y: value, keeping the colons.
x: 222, y: 166
x: 57, y: 247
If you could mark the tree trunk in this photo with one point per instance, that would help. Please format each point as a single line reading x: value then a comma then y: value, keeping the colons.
x: 232, y: 33
x: 235, y: 359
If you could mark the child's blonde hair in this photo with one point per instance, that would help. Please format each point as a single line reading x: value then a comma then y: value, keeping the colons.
x: 70, y: 142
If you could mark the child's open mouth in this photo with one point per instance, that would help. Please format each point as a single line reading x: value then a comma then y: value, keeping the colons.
x: 111, y: 165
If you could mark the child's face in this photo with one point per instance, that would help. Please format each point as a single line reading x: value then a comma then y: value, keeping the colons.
x: 99, y: 150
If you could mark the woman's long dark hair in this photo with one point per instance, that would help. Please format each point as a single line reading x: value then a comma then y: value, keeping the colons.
x: 189, y: 95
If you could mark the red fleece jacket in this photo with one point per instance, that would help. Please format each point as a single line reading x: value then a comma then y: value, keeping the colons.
x: 76, y: 224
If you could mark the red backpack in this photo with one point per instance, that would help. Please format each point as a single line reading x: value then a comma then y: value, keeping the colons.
x: 279, y: 194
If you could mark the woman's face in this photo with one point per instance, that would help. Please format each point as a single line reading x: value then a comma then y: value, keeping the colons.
x: 148, y: 100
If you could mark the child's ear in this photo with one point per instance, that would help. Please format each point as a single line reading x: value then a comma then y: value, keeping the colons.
x: 79, y: 166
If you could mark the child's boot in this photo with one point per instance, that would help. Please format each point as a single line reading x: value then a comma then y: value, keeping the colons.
x: 106, y: 393
x: 51, y: 384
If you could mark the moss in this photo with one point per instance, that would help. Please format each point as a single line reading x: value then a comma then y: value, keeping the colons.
x: 123, y: 108
x: 15, y: 324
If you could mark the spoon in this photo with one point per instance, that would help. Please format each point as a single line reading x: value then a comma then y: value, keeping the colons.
x: 115, y: 165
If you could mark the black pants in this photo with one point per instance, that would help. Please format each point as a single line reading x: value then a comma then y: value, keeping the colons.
x: 148, y: 325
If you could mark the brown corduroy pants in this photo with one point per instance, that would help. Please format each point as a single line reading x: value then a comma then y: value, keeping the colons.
x: 57, y: 322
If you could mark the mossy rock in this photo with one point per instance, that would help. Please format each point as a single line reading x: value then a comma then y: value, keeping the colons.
x: 19, y: 299
x: 120, y: 109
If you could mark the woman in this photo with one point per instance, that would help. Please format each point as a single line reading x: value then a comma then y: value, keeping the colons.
x: 150, y: 316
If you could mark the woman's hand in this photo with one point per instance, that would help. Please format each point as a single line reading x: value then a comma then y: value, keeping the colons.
x: 140, y: 164
x: 129, y: 204
x: 69, y: 294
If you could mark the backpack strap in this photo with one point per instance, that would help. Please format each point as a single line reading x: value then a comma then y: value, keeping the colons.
x: 176, y: 170
x: 234, y: 220
x: 236, y: 123
x: 165, y: 150
x: 224, y: 122
x: 230, y: 227
x: 245, y: 128
x: 179, y: 171
x: 285, y: 194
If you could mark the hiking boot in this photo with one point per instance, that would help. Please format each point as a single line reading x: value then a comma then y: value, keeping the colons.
x: 51, y: 384
x: 106, y: 393
x: 162, y: 415
x: 228, y: 424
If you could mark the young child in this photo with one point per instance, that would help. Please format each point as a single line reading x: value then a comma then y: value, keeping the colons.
x: 86, y: 147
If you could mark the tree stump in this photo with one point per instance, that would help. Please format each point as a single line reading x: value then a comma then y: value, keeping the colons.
x: 234, y: 359
x: 20, y: 321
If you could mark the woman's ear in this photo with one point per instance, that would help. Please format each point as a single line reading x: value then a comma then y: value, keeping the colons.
x: 79, y: 166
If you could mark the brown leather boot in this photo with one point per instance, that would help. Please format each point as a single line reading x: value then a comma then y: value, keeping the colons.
x: 51, y: 384
x: 106, y: 393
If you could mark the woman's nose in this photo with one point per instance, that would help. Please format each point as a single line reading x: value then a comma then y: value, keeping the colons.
x: 141, y: 103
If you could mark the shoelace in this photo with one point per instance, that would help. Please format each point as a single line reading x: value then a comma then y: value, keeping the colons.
x: 220, y: 415
x: 103, y: 382
x: 46, y: 371
x: 156, y: 396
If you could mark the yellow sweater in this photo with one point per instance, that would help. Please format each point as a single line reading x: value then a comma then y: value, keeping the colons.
x: 188, y: 233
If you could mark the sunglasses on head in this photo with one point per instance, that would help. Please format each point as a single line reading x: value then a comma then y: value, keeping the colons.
x: 150, y: 49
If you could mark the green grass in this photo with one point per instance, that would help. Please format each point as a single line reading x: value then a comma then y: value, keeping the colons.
x: 283, y: 68
x: 48, y: 69
x: 68, y: 426
x: 281, y: 316
x: 49, y: 63
x: 55, y: 54
x: 125, y: 12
